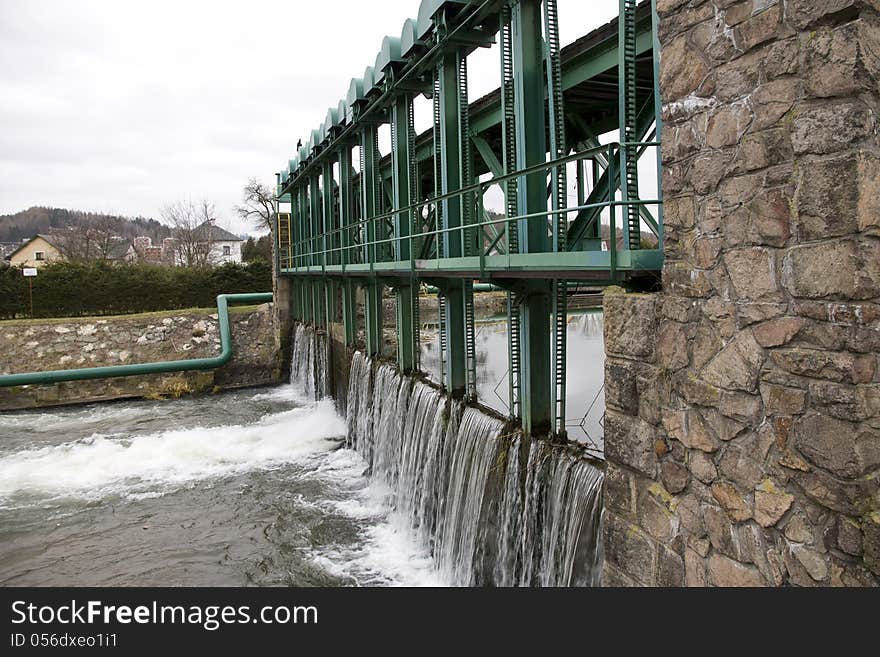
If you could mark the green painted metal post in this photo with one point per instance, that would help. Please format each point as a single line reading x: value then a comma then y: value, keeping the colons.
x: 450, y: 165
x: 373, y: 317
x: 401, y: 120
x: 346, y: 219
x: 369, y: 188
x: 535, y: 326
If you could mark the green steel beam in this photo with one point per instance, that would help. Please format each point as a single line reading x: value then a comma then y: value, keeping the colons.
x: 373, y: 317
x: 451, y: 151
x: 402, y: 141
x: 531, y: 149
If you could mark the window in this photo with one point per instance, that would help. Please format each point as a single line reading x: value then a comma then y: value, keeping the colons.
x: 39, y: 255
x: 227, y: 250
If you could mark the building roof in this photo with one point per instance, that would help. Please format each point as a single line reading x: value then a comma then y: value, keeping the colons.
x: 46, y: 238
x: 117, y: 249
x: 209, y: 232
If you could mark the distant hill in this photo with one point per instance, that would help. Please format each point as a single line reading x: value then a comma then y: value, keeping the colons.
x: 27, y: 223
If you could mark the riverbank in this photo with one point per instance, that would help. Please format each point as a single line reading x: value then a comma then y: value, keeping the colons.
x: 53, y: 344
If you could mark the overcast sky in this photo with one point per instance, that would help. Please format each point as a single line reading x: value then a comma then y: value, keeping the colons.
x: 124, y: 107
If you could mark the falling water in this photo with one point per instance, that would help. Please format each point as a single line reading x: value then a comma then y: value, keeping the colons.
x: 488, y: 512
x: 308, y: 364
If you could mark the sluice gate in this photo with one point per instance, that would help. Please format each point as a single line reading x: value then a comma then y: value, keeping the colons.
x: 361, y: 221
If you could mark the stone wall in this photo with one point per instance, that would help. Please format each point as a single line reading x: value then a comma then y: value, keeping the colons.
x: 743, y: 422
x: 29, y: 346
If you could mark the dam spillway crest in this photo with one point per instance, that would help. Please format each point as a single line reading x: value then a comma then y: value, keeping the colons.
x: 491, y: 507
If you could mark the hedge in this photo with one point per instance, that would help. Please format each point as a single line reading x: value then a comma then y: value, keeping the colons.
x: 71, y: 289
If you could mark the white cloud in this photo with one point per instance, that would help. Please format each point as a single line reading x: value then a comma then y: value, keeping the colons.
x: 125, y: 107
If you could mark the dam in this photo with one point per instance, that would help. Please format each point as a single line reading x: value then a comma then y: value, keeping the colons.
x: 706, y: 171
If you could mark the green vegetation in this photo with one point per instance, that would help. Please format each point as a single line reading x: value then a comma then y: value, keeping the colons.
x: 98, y: 288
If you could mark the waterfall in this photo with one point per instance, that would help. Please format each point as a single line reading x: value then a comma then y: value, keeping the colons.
x: 308, y: 362
x: 491, y: 509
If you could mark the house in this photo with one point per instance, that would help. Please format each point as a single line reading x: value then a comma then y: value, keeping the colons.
x: 120, y: 250
x: 225, y: 247
x: 43, y: 249
x: 38, y: 251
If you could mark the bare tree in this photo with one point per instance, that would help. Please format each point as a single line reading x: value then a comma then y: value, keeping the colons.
x: 191, y: 225
x: 260, y: 205
x: 75, y: 243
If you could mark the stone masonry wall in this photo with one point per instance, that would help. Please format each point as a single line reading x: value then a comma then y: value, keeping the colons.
x: 72, y: 343
x: 743, y: 422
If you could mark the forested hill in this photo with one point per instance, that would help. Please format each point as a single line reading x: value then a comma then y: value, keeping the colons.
x: 26, y: 224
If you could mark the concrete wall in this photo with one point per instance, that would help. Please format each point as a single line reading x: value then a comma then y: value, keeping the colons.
x: 27, y: 346
x: 743, y: 422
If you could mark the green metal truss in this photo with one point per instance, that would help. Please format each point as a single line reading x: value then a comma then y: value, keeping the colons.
x: 417, y: 215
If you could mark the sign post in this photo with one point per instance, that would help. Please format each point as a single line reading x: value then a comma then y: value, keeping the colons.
x: 29, y: 273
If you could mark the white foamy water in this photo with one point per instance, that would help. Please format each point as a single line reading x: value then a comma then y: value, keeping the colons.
x: 99, y: 465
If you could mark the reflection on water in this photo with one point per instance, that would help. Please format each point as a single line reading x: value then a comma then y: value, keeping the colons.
x: 585, y: 364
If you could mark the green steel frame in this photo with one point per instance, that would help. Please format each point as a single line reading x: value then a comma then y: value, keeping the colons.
x: 417, y: 215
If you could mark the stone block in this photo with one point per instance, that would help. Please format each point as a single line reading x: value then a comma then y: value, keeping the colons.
x: 682, y: 69
x: 629, y: 550
x: 773, y: 100
x: 689, y: 428
x: 777, y: 332
x: 619, y: 491
x: 752, y: 272
x: 724, y: 571
x: 820, y: 364
x: 702, y: 466
x: 670, y: 568
x: 835, y: 61
x: 783, y: 400
x: 871, y: 541
x: 831, y: 444
x: 736, y: 507
x: 827, y: 206
x: 727, y: 125
x: 844, y: 269
x: 830, y: 127
x: 737, y: 366
x: 620, y: 385
x: 694, y: 568
x: 802, y: 14
x: 674, y: 476
x: 760, y: 28
x: 630, y: 325
x: 771, y: 503
x: 672, y: 346
x: 630, y: 441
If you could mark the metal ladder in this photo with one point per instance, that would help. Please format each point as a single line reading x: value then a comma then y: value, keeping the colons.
x: 629, y: 120
x: 414, y: 228
x: 466, y: 162
x: 438, y: 166
x: 470, y: 342
x: 559, y: 200
x: 508, y: 114
x: 444, y: 347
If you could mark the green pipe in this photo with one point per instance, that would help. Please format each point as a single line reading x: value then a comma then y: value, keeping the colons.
x: 82, y: 374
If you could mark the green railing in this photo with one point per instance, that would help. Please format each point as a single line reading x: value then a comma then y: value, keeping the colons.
x: 110, y: 371
x: 347, y: 249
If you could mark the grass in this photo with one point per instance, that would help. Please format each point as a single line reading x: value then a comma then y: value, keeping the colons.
x: 233, y: 310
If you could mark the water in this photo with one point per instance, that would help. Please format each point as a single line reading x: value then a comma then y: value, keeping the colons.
x: 240, y: 488
x: 273, y: 487
x: 488, y: 506
x: 585, y: 365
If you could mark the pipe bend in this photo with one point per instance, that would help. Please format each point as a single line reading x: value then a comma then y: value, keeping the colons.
x: 112, y: 371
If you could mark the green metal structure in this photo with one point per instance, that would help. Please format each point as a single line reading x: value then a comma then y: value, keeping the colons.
x: 418, y: 214
x: 213, y: 362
